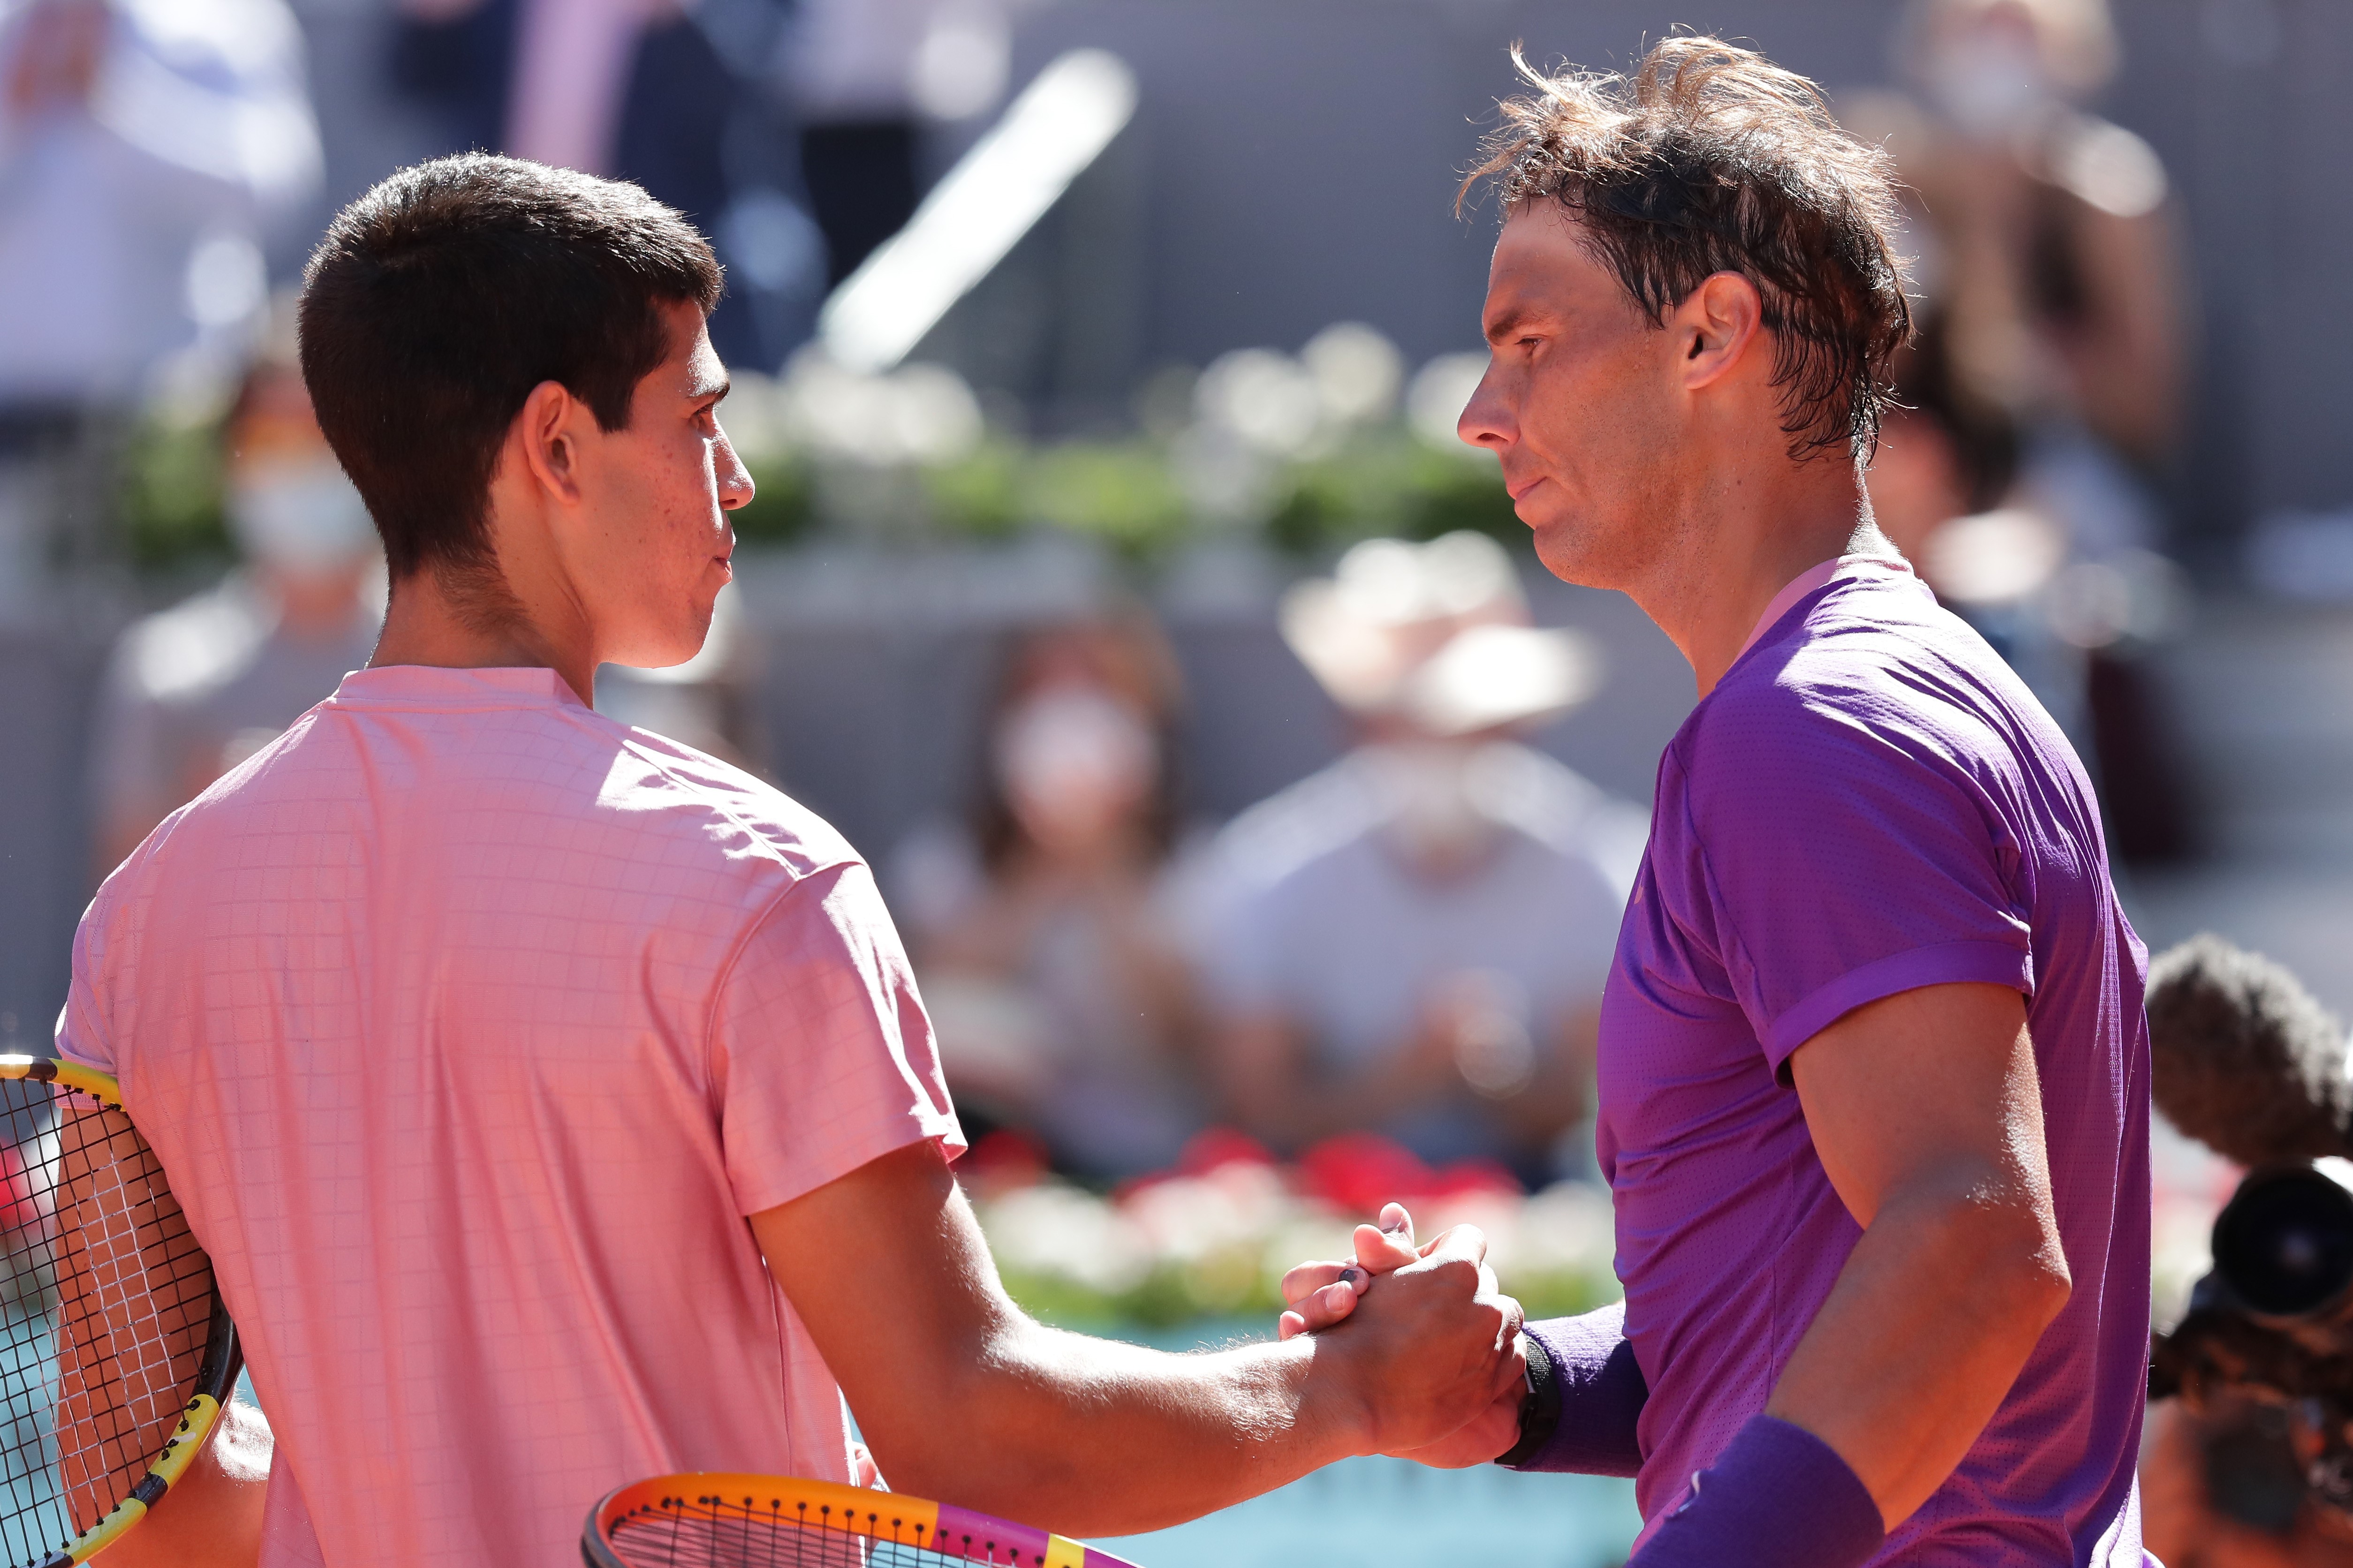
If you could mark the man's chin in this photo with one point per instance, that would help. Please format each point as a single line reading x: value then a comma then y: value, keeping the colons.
x: 1559, y: 545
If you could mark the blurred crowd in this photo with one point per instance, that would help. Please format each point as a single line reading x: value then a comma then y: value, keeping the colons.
x: 1410, y: 942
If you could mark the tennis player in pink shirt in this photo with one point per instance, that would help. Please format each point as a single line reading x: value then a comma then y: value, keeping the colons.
x: 556, y: 1101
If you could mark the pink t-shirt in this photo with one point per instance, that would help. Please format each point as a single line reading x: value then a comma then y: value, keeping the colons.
x: 467, y: 1026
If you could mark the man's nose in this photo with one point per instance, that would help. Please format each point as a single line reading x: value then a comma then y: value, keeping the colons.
x: 736, y: 486
x: 1486, y: 420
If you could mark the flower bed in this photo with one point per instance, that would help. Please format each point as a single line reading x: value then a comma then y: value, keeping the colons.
x: 1213, y: 1238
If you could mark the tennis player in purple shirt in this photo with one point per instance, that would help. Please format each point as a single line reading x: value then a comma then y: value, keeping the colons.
x: 1873, y: 1071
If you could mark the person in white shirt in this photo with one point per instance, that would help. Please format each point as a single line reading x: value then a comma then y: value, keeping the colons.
x: 1413, y: 940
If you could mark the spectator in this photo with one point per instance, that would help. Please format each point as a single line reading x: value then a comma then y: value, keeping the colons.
x: 1413, y: 940
x: 145, y: 148
x: 674, y: 95
x: 2060, y: 258
x: 866, y: 75
x: 2047, y: 236
x: 1944, y: 486
x: 198, y: 689
x: 1042, y: 933
x: 2050, y: 255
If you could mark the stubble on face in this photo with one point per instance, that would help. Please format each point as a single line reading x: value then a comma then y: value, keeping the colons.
x: 1575, y: 402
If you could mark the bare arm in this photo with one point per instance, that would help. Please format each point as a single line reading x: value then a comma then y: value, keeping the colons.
x: 1926, y: 1110
x: 212, y: 1516
x: 963, y: 1398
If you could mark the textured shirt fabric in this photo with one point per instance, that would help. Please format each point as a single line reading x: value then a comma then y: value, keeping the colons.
x: 469, y: 1026
x: 1870, y: 802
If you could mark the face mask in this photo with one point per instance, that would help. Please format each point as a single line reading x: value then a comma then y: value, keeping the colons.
x: 303, y: 518
x: 1987, y: 83
x: 1073, y: 761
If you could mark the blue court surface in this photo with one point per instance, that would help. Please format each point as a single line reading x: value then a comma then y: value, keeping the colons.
x: 1395, y: 1510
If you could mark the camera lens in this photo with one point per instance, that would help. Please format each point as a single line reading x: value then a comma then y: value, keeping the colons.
x: 2284, y: 1244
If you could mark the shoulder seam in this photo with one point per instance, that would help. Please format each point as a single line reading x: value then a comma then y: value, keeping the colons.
x: 726, y: 970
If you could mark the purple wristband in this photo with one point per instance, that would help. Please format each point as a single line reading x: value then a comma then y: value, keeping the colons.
x: 1778, y: 1496
x: 1598, y: 1394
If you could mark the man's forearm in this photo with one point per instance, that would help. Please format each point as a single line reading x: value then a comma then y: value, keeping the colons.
x: 1931, y: 1319
x: 962, y: 1398
x: 1093, y: 1437
x: 1937, y: 1309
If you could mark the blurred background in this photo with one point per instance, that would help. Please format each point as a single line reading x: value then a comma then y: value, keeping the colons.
x: 1257, y: 813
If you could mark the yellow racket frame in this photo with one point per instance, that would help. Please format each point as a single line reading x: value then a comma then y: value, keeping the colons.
x: 942, y: 1528
x: 203, y: 1411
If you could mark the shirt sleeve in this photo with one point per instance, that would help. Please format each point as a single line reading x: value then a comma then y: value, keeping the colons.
x: 1832, y: 860
x: 822, y: 1056
x: 81, y: 1035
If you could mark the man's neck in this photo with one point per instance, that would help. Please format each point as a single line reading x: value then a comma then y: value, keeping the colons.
x: 1744, y: 540
x: 472, y: 621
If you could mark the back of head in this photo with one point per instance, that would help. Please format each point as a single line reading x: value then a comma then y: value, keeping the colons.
x: 1711, y: 158
x: 439, y: 298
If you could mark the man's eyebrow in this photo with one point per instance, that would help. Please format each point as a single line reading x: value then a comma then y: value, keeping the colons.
x: 717, y: 392
x: 1504, y: 325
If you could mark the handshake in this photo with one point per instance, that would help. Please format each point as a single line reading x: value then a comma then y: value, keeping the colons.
x: 1431, y: 1344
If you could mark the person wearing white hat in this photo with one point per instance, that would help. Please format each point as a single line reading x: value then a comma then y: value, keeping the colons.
x: 1413, y: 940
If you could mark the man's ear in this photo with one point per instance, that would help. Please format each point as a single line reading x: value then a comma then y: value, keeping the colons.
x: 547, y: 436
x: 1716, y: 327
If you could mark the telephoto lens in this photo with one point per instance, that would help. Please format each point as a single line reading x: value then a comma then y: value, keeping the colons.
x: 2283, y: 1244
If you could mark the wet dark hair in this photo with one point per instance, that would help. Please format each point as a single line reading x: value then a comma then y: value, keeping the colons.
x: 1711, y: 158
x: 439, y: 298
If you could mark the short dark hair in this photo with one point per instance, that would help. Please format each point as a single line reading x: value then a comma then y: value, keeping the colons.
x: 1712, y: 159
x: 439, y: 298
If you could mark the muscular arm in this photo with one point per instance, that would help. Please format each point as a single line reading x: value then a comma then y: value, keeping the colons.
x: 962, y: 1396
x: 1926, y: 1110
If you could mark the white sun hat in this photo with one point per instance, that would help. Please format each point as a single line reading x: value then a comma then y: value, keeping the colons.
x: 1436, y: 634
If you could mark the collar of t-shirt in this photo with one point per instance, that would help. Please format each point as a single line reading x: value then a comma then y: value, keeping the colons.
x: 443, y: 687
x: 1836, y: 569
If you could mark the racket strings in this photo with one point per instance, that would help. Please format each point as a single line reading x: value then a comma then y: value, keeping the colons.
x: 105, y: 1314
x: 760, y: 1532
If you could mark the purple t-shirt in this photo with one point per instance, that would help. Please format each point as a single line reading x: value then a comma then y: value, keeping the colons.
x: 1870, y: 802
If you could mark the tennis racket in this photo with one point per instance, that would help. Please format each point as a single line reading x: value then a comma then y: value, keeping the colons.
x: 115, y: 1353
x: 718, y: 1520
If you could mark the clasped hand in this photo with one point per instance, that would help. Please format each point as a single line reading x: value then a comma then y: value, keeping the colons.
x: 1451, y: 1363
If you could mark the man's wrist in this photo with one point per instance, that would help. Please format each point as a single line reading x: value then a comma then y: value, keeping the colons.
x: 1337, y: 1416
x: 1600, y: 1391
x: 1539, y: 1407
